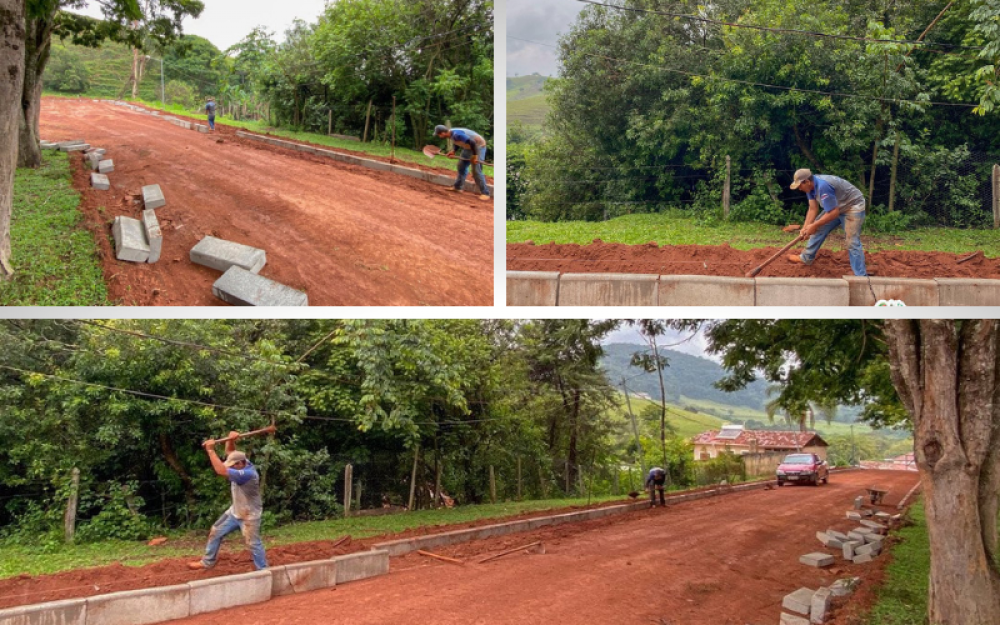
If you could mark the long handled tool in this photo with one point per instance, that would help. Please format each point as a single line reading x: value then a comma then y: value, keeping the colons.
x: 268, y: 430
x: 753, y: 272
x: 430, y: 151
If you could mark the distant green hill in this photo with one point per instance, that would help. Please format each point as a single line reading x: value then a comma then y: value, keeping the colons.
x: 686, y: 377
x: 526, y: 102
x: 109, y: 66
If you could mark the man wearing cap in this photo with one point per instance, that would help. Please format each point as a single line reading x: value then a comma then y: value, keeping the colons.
x: 210, y: 110
x: 655, y: 482
x: 244, y: 514
x: 473, y: 150
x: 843, y: 205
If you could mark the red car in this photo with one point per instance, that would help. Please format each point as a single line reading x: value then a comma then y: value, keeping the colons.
x: 803, y: 468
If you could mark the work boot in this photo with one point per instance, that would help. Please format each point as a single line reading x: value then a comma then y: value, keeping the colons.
x: 795, y: 258
x: 197, y: 566
x: 456, y: 189
x: 484, y: 197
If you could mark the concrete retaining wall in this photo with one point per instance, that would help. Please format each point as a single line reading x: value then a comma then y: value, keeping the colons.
x: 441, y: 179
x: 551, y: 288
x: 167, y: 603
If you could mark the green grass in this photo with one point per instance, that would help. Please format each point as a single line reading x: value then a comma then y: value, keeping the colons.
x: 523, y: 87
x: 675, y: 229
x: 55, y: 258
x: 18, y: 559
x: 375, y: 149
x: 902, y: 599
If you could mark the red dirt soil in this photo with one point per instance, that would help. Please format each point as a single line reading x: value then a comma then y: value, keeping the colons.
x: 347, y: 235
x: 27, y: 589
x: 721, y: 561
x: 722, y: 260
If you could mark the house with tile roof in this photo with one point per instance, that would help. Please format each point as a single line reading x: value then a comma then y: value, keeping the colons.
x: 735, y: 439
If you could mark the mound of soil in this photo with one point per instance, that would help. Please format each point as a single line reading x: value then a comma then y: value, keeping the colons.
x: 723, y: 260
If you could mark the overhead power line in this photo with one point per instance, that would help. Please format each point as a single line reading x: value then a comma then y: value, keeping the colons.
x: 789, y: 31
x: 759, y: 84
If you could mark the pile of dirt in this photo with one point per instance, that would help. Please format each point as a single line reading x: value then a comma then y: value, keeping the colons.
x: 723, y: 260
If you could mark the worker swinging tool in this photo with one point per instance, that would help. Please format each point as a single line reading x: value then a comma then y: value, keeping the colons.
x: 246, y: 509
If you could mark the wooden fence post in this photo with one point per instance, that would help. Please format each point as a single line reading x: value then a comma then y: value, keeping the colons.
x: 69, y: 521
x: 329, y: 122
x: 413, y: 477
x: 357, y: 496
x: 392, y: 152
x: 493, y: 486
x: 996, y: 197
x: 725, y: 191
x: 519, y: 478
x: 348, y: 483
x: 368, y: 116
x: 892, y: 176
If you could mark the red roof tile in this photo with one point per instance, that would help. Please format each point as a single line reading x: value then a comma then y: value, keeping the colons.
x: 766, y: 439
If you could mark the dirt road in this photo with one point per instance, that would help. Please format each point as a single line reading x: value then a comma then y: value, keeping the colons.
x: 344, y: 234
x: 722, y: 260
x: 721, y: 561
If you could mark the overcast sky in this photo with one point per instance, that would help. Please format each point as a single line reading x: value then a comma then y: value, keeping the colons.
x: 695, y: 347
x: 225, y: 22
x: 537, y: 20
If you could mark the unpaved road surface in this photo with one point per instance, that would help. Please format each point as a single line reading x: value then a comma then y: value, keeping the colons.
x: 723, y: 260
x: 722, y: 561
x: 345, y: 234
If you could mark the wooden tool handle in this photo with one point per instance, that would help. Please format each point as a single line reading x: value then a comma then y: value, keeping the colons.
x: 268, y: 430
x: 753, y: 272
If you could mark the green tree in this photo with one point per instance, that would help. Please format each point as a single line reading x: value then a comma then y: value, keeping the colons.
x: 67, y: 72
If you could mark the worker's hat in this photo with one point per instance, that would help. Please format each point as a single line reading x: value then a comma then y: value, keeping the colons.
x: 235, y: 457
x: 801, y: 176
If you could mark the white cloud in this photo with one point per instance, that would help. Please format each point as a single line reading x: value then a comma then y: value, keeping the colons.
x: 537, y: 20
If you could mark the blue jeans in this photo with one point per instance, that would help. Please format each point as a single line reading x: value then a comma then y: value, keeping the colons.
x: 227, y: 524
x: 852, y: 223
x: 477, y: 171
x: 211, y: 122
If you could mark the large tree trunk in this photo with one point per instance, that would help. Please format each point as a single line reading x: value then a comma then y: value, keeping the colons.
x: 946, y: 374
x: 38, y: 41
x: 12, y: 68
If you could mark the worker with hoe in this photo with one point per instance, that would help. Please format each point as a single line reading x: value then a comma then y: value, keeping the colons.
x: 473, y: 151
x: 245, y: 511
x: 210, y: 110
x: 655, y: 481
x: 843, y: 205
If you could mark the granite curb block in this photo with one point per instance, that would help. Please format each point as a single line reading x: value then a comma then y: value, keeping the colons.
x: 547, y: 288
x: 68, y: 612
x: 229, y: 591
x: 362, y: 565
x: 431, y: 177
x: 140, y: 607
x: 303, y: 577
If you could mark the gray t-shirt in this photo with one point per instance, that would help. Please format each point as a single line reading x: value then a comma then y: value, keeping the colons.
x: 245, y: 486
x: 832, y: 191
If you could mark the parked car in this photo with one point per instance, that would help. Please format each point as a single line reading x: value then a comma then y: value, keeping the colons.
x: 803, y: 468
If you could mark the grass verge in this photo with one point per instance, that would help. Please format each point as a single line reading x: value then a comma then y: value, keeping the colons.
x: 902, y: 599
x: 52, y: 557
x: 54, y: 256
x: 675, y: 229
x: 375, y: 149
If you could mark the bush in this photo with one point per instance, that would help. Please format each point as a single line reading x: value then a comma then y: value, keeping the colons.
x: 178, y: 92
x: 728, y: 467
x: 117, y: 514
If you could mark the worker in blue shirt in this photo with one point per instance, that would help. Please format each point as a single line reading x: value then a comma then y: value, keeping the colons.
x: 655, y: 482
x: 244, y: 513
x: 210, y: 110
x: 842, y: 204
x: 473, y: 151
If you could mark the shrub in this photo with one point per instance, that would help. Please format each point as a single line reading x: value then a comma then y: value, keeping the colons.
x: 66, y: 72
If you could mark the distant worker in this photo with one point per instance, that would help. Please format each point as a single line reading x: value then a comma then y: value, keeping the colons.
x: 473, y: 151
x: 843, y: 205
x: 244, y: 514
x: 655, y: 481
x: 210, y: 109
